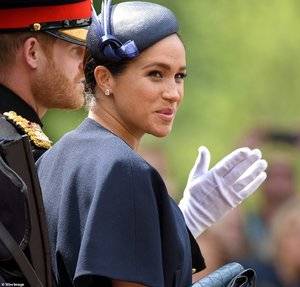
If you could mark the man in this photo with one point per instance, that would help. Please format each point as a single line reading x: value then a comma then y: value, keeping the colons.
x: 41, y: 58
x: 41, y: 54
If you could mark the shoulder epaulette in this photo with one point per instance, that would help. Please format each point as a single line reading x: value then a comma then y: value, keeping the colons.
x: 33, y: 130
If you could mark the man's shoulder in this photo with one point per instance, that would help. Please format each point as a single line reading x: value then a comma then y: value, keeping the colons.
x: 23, y: 120
x: 7, y: 130
x: 14, y: 126
x: 31, y: 129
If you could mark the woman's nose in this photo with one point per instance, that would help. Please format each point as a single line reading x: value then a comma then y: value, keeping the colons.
x: 172, y: 93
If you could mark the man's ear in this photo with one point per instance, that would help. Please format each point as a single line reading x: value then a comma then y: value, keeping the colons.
x: 32, y: 52
x: 104, y: 79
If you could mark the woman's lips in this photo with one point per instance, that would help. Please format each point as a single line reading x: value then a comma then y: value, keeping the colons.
x: 166, y: 114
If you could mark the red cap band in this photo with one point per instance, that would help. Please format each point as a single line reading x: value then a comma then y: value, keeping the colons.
x: 17, y: 18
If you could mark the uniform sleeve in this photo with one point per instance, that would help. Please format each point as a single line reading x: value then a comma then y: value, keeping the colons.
x: 121, y: 238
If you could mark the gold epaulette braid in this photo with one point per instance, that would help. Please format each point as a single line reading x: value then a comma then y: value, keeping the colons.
x: 33, y: 130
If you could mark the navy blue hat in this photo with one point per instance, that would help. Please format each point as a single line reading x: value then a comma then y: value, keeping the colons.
x: 124, y: 30
x: 64, y: 19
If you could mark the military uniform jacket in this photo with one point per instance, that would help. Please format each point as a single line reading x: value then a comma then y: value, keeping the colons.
x: 24, y: 120
x: 110, y: 216
x: 17, y: 118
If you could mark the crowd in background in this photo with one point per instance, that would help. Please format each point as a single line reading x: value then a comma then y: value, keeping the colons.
x: 267, y: 237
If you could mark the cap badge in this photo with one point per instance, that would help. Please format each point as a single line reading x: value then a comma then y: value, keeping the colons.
x: 36, y: 26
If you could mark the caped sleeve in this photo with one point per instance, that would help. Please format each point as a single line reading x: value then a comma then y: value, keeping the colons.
x: 121, y: 238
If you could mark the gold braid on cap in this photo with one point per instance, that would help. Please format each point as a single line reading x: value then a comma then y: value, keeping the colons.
x: 33, y: 130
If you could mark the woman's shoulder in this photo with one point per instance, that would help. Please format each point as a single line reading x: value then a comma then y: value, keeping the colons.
x: 88, y: 139
x: 124, y: 156
x: 92, y: 148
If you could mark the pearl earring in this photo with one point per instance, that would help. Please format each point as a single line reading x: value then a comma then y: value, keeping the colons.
x: 107, y: 92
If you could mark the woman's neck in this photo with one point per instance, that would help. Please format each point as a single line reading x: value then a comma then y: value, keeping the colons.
x: 110, y: 122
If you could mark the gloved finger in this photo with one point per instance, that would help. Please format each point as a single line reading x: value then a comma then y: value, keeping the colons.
x: 242, y: 167
x: 253, y: 186
x: 202, y: 162
x: 231, y: 160
x: 250, y: 175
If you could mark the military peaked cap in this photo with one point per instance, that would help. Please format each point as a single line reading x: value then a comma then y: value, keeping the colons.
x: 124, y: 30
x: 63, y: 19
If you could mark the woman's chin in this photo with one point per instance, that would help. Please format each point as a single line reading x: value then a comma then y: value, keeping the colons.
x: 160, y: 133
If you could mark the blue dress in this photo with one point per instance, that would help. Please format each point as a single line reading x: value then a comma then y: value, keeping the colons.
x: 110, y: 216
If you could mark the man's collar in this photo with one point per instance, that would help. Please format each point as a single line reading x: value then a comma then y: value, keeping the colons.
x: 9, y: 101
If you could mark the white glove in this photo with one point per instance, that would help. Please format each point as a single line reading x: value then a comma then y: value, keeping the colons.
x: 210, y: 194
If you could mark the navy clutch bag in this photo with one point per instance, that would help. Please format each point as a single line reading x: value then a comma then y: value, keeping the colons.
x: 229, y: 275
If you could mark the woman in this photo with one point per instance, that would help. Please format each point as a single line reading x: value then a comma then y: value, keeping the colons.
x: 111, y: 220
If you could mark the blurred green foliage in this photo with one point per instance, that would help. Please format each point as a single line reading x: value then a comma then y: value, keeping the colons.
x: 243, y: 72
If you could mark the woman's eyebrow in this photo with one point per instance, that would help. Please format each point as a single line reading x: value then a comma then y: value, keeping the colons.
x: 162, y: 65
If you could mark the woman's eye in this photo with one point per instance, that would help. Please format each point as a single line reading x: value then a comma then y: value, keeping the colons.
x: 180, y: 76
x: 155, y: 74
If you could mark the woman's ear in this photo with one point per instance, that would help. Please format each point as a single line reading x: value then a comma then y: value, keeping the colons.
x: 32, y: 52
x: 104, y: 79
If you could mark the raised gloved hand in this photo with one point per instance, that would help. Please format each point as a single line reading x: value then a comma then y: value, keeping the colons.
x: 210, y: 194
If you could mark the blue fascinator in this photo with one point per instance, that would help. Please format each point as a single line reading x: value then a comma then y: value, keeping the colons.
x: 124, y: 30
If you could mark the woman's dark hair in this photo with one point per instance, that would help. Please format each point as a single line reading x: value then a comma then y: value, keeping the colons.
x: 90, y: 64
